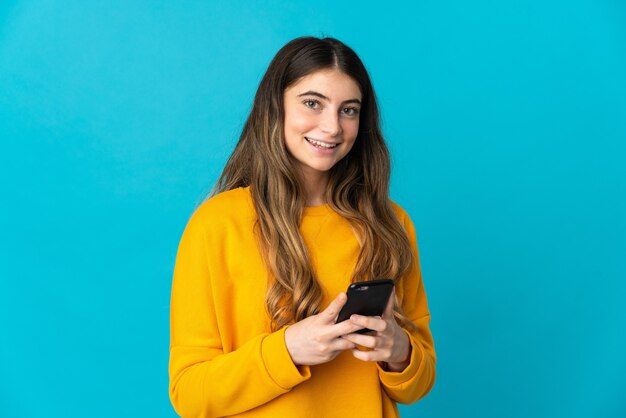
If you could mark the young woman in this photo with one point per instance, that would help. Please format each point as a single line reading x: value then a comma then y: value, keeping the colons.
x: 300, y: 211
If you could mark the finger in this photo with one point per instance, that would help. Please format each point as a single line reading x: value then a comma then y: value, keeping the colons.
x: 389, y: 308
x: 374, y: 323
x: 372, y: 355
x: 368, y: 341
x: 343, y: 328
x: 329, y: 315
x: 340, y: 344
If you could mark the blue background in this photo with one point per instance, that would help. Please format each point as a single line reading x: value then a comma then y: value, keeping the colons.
x: 507, y: 123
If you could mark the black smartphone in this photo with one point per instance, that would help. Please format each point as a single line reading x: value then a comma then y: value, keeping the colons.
x: 367, y: 299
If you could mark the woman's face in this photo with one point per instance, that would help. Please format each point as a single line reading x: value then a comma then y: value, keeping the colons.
x: 321, y: 119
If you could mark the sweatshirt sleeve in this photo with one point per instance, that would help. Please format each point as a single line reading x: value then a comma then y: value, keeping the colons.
x: 418, y: 378
x: 207, y: 377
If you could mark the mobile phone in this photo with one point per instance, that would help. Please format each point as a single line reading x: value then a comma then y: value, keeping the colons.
x: 367, y: 299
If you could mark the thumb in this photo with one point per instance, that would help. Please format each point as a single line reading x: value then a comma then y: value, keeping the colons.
x: 329, y: 314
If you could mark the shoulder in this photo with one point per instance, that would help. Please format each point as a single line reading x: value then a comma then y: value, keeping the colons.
x: 402, y: 215
x: 231, y: 202
x: 230, y: 206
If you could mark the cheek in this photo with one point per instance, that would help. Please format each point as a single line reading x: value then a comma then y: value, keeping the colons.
x: 351, y: 130
x: 298, y: 123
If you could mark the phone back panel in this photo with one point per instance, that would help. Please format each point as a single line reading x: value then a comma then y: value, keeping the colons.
x: 366, y: 298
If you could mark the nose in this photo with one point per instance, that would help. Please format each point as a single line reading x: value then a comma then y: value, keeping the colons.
x: 330, y: 123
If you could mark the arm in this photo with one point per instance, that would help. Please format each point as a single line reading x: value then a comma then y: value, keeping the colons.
x: 418, y: 378
x: 208, y: 378
x: 406, y: 357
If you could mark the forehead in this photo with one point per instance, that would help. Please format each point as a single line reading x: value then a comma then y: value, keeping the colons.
x: 331, y: 82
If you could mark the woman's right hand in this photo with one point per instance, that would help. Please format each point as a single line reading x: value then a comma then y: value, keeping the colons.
x: 317, y: 339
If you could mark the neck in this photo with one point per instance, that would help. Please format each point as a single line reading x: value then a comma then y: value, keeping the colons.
x: 315, y: 185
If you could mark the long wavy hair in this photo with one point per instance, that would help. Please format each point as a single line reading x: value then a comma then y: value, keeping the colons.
x: 358, y: 185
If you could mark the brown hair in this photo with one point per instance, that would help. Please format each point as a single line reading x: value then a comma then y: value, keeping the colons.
x: 358, y: 185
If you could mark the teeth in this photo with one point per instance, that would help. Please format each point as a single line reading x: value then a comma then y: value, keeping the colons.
x: 320, y: 144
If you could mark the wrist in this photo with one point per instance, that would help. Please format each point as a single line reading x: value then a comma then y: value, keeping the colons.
x: 396, y: 367
x: 289, y: 345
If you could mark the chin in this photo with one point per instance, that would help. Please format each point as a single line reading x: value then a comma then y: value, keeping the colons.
x: 322, y: 168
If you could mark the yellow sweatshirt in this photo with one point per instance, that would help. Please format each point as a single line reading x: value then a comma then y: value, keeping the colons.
x: 224, y: 359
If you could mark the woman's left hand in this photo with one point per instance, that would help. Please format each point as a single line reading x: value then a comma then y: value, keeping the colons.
x: 388, y: 343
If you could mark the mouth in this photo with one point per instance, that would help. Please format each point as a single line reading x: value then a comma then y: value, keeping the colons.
x: 320, y: 144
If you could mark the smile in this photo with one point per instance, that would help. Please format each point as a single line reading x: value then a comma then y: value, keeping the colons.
x: 320, y: 144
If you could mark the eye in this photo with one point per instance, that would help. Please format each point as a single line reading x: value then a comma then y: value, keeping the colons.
x: 312, y: 104
x: 350, y: 111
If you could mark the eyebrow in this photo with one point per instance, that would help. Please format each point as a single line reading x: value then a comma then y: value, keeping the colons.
x: 321, y: 96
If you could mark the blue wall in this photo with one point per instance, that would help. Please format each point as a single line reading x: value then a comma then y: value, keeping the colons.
x: 507, y: 122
